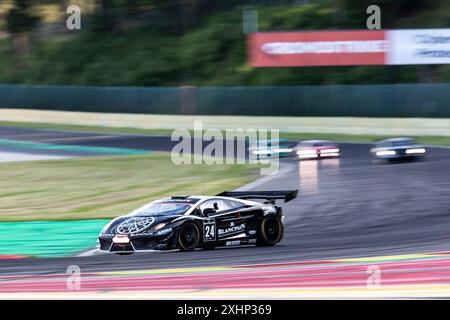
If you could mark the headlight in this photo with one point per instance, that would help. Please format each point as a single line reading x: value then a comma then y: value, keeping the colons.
x: 283, y: 150
x: 415, y: 151
x: 306, y: 152
x: 334, y: 150
x: 159, y: 226
x: 385, y: 153
x: 258, y: 152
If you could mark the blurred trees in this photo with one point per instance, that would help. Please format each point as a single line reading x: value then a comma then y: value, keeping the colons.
x: 200, y: 42
x: 105, y: 19
x: 391, y: 11
x: 20, y: 19
x: 19, y: 22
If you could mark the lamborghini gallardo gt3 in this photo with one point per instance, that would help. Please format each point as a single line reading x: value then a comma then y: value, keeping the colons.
x: 190, y: 222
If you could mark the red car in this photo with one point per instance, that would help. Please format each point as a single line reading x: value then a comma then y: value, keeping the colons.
x: 316, y: 149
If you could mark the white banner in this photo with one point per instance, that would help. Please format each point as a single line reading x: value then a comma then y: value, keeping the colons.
x: 421, y: 46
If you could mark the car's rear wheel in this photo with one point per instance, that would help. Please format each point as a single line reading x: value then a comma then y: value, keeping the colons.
x: 270, y: 231
x: 188, y: 237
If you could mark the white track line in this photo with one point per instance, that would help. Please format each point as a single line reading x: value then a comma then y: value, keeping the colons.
x: 15, y: 156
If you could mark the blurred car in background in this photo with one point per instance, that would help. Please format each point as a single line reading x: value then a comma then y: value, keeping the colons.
x: 262, y: 149
x: 398, y: 148
x: 317, y: 149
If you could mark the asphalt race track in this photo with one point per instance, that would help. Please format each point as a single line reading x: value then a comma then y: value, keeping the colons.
x: 346, y: 208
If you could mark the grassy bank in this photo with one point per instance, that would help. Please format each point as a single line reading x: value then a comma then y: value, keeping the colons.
x: 105, y: 187
x: 436, y: 140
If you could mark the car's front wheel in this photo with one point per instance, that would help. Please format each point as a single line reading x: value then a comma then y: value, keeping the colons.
x: 188, y: 237
x: 270, y: 231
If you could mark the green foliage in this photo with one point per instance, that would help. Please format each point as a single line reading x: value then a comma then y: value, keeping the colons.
x: 211, y: 50
x: 19, y: 18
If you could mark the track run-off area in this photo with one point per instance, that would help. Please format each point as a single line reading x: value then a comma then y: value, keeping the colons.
x: 356, y: 230
x: 414, y: 275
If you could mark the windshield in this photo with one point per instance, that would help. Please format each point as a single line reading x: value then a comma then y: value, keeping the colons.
x: 315, y: 144
x: 267, y: 143
x: 322, y: 144
x: 162, y: 209
x: 400, y: 143
x: 395, y: 143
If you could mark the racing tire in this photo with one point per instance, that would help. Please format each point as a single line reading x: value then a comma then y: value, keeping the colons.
x: 270, y: 231
x: 188, y: 237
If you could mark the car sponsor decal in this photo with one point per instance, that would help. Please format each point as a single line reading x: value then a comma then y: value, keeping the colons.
x: 209, y: 230
x: 135, y: 225
x: 142, y: 234
x: 232, y: 229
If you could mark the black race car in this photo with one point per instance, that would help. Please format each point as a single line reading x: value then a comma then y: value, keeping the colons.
x: 191, y: 222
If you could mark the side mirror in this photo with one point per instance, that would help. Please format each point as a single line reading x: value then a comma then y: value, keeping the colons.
x: 208, y: 211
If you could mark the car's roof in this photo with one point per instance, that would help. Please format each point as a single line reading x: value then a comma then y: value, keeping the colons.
x: 309, y: 141
x: 316, y: 141
x: 193, y: 201
x: 270, y: 140
x: 194, y: 197
x: 398, y: 139
x: 183, y: 199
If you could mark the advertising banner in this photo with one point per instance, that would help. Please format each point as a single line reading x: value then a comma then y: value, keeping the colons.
x: 346, y: 48
x: 422, y: 46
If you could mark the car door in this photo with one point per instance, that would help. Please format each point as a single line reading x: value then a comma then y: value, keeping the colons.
x: 227, y: 223
x: 230, y: 224
x: 244, y: 217
x: 209, y: 223
x: 214, y: 225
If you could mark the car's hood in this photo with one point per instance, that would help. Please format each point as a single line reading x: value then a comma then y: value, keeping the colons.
x: 136, y: 224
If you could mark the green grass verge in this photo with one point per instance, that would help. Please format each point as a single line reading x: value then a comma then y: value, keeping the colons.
x: 163, y: 132
x: 49, y: 238
x: 105, y: 187
x: 437, y: 140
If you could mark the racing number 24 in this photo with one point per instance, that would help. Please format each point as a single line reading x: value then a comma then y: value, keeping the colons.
x: 209, y: 230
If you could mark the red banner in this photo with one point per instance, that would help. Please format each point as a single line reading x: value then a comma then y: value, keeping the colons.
x: 331, y: 48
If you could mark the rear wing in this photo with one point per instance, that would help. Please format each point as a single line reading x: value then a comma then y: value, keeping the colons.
x: 270, y: 196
